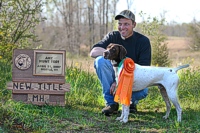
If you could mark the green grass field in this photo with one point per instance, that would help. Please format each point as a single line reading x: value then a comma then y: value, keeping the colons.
x: 82, y: 112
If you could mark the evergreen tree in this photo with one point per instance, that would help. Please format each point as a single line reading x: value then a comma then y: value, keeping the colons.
x: 160, y: 54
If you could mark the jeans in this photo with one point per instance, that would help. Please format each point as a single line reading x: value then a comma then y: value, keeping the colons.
x: 106, y: 75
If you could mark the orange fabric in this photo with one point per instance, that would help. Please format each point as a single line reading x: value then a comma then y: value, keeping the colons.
x: 126, y: 77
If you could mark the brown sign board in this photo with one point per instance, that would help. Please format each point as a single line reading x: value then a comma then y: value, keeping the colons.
x: 39, y: 93
x: 38, y: 77
x: 39, y: 66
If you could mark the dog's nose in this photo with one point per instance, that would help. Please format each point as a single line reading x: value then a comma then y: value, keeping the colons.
x: 106, y: 54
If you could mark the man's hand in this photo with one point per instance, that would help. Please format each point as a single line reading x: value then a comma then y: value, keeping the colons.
x: 97, y: 51
x: 113, y: 88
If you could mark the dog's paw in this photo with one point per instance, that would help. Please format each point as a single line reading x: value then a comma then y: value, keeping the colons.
x: 124, y: 120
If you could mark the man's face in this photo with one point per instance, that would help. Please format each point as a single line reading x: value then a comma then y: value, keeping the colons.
x: 125, y: 27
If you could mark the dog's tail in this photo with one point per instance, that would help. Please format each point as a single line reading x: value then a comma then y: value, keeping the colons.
x: 181, y: 67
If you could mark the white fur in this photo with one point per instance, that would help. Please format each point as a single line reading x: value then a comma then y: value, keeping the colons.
x: 145, y: 76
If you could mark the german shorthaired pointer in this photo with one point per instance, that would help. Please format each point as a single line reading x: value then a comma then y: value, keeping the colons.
x: 146, y: 76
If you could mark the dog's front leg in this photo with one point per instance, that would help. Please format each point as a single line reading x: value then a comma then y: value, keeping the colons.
x: 122, y: 114
x: 126, y: 114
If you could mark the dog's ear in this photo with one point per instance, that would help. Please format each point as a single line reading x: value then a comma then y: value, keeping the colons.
x: 122, y: 52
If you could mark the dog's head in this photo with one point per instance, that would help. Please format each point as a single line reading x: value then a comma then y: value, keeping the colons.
x: 115, y: 52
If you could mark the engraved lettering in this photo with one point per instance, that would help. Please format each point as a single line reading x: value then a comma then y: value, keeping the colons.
x: 49, y: 58
x: 41, y: 98
x: 40, y: 84
x: 60, y: 87
x: 54, y: 61
x: 15, y: 85
x: 21, y: 86
x: 56, y: 66
x: 28, y: 87
x: 49, y: 86
x: 41, y: 65
x: 35, y: 97
x: 43, y: 61
x: 37, y: 86
x: 54, y: 88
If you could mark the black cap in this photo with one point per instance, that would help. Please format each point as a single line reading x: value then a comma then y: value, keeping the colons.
x: 126, y: 14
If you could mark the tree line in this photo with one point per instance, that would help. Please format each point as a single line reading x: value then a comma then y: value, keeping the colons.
x: 79, y: 24
x: 74, y: 25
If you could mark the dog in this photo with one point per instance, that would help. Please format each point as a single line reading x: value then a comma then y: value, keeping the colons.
x: 146, y: 76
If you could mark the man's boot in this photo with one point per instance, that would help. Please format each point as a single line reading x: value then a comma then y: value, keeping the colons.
x: 110, y: 109
x: 133, y: 108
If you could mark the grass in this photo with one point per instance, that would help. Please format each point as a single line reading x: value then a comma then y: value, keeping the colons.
x: 84, y: 102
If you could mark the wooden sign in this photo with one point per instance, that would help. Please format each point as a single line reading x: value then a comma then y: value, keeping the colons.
x: 38, y: 76
x: 39, y: 93
x: 39, y: 66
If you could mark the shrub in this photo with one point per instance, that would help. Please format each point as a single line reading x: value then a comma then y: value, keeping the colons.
x: 18, y: 19
x: 160, y: 55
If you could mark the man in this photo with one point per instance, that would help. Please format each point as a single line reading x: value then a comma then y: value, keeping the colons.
x: 138, y: 48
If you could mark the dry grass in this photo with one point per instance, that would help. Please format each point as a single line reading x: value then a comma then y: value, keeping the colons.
x: 179, y: 53
x: 84, y: 63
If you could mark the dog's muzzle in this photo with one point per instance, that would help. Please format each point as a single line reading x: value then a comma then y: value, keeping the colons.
x: 106, y: 54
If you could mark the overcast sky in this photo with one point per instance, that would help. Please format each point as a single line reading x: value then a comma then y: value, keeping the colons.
x: 180, y: 11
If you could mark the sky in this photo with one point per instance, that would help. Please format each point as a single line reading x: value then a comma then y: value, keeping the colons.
x: 178, y: 11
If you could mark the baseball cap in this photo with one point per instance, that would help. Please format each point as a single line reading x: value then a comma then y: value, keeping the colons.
x: 126, y: 14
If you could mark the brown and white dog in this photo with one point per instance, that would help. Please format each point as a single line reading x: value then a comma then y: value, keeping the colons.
x: 146, y: 76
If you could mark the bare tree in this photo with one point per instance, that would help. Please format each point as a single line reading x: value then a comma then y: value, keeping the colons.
x: 129, y: 3
x: 90, y: 18
x: 67, y: 10
x: 103, y: 16
x: 77, y: 35
x: 76, y: 23
x: 100, y: 18
x: 107, y: 5
x: 93, y: 27
x: 113, y: 11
